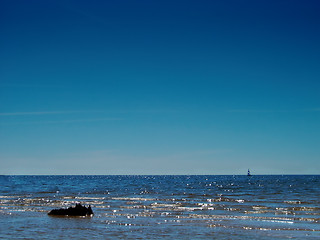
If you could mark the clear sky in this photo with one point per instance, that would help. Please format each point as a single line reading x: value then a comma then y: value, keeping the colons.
x: 159, y: 87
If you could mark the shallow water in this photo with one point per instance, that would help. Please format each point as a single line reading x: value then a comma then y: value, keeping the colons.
x: 162, y: 207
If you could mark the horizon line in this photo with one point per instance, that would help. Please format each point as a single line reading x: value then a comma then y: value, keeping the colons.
x: 290, y: 174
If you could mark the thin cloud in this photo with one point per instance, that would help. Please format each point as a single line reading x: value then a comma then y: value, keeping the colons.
x: 272, y: 111
x: 257, y: 111
x: 313, y: 110
x: 82, y: 120
x: 45, y: 113
x: 64, y: 121
x: 4, y: 85
x: 151, y: 111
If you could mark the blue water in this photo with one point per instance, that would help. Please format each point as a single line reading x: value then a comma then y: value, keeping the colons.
x: 162, y: 207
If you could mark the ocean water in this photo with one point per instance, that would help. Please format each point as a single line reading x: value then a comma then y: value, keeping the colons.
x: 162, y: 207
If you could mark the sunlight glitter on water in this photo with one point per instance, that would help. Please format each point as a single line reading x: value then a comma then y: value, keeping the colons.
x: 155, y: 208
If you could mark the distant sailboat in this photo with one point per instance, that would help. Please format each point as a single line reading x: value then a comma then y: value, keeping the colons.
x: 249, y: 174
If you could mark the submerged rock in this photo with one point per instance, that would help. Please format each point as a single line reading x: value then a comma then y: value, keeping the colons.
x: 78, y: 210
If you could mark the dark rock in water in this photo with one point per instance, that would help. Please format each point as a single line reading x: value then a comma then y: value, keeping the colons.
x: 78, y: 210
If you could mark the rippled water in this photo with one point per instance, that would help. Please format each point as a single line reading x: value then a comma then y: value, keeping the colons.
x: 162, y: 207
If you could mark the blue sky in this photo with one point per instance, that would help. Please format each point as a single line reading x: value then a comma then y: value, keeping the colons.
x: 159, y: 87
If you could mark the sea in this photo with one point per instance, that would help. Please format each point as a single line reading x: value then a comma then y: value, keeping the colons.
x: 162, y: 207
